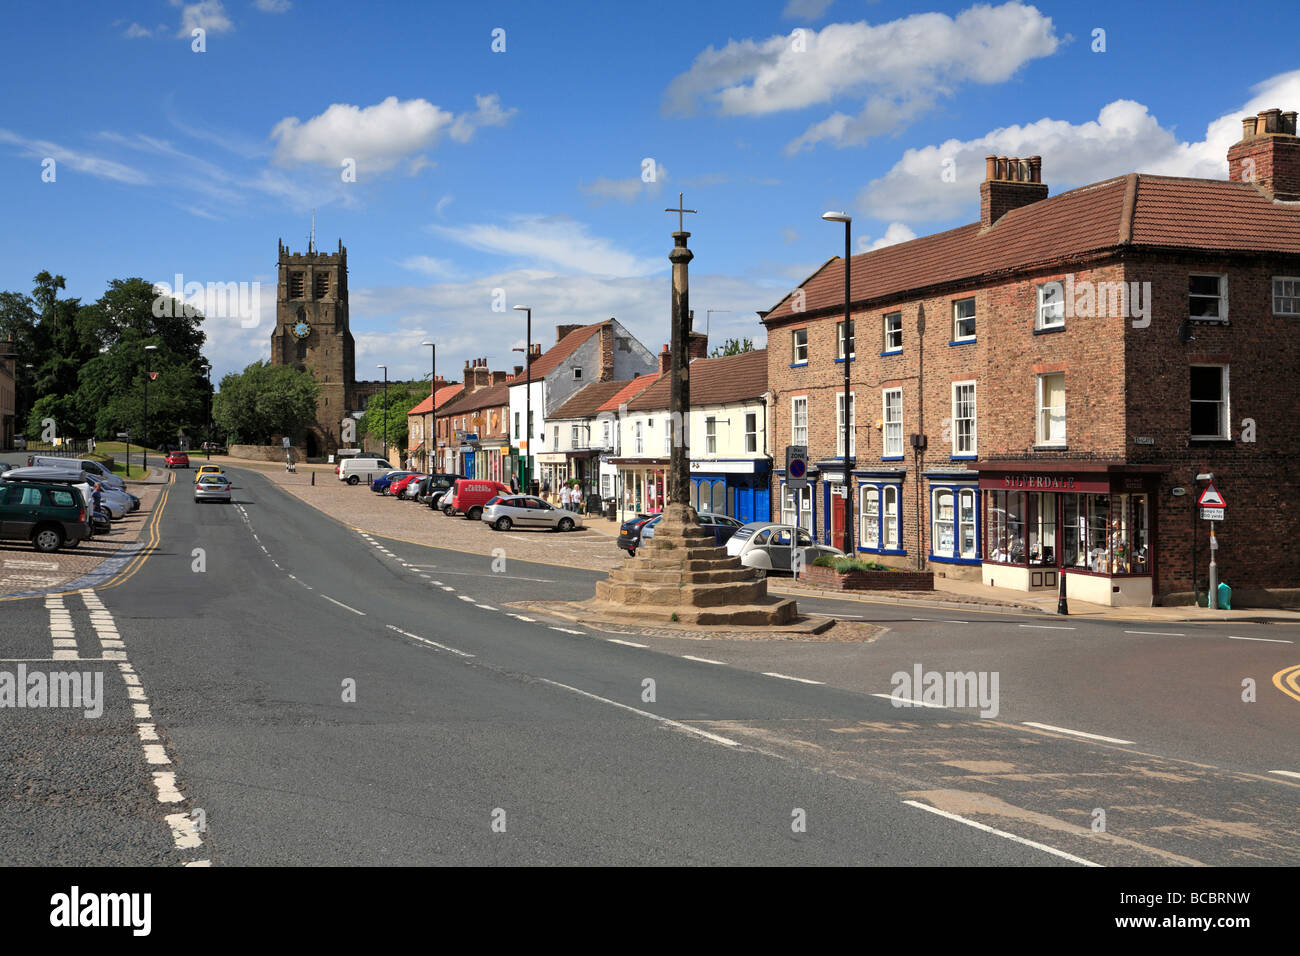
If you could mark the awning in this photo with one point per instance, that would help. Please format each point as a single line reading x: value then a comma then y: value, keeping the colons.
x: 417, y: 447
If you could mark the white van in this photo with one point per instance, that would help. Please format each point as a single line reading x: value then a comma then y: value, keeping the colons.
x: 353, y: 470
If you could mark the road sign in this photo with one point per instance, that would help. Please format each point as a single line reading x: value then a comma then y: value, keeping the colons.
x: 285, y: 441
x: 1210, y: 498
x: 1212, y: 514
x: 796, y: 466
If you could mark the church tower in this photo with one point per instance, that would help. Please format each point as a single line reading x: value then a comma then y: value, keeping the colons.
x: 311, y: 334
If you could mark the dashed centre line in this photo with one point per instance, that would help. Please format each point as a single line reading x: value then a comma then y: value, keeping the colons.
x: 1077, y: 733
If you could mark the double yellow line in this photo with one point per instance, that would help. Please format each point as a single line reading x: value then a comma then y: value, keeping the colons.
x: 1287, y: 681
x: 155, y: 520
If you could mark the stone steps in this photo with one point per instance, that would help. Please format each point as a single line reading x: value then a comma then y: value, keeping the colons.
x: 647, y: 593
x: 773, y: 612
x: 723, y: 574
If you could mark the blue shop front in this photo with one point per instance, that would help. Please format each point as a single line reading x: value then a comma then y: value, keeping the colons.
x: 739, y: 487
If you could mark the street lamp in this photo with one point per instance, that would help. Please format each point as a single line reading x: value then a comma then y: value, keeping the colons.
x: 432, y: 438
x: 207, y: 374
x: 848, y: 492
x: 528, y: 395
x: 385, y: 409
x: 144, y: 440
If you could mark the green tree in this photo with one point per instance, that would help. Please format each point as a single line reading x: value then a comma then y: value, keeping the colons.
x: 732, y: 347
x: 265, y: 400
x: 391, y: 409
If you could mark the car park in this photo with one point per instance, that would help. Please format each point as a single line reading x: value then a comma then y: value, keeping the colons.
x: 94, y: 470
x: 438, y: 486
x: 524, y: 511
x: 48, y: 515
x: 177, y: 459
x: 415, y: 488
x: 353, y: 470
x: 469, y: 495
x: 398, y: 485
x: 212, y: 487
x: 382, y: 483
x: 767, y: 546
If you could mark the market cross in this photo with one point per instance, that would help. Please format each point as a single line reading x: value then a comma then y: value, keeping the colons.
x: 681, y: 218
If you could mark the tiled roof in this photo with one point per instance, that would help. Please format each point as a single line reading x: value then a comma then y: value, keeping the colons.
x: 1133, y: 210
x: 714, y: 381
x: 629, y: 391
x: 588, y: 400
x: 443, y: 396
x: 558, y: 353
x: 487, y: 397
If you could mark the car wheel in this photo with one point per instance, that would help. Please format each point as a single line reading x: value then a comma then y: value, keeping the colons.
x: 502, y: 524
x: 447, y: 510
x: 353, y: 479
x: 474, y: 514
x: 47, y: 540
x: 566, y: 524
x: 631, y: 552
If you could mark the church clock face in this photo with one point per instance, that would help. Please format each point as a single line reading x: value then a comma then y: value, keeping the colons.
x: 301, y: 329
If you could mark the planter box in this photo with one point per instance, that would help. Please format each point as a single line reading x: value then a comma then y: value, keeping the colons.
x: 869, y: 580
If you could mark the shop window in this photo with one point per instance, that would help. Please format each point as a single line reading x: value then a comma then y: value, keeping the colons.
x: 1051, y: 306
x: 892, y: 403
x: 869, y: 517
x: 1286, y: 295
x: 1209, y: 400
x: 799, y: 347
x: 893, y: 323
x: 963, y: 419
x: 1207, y: 297
x: 805, y: 513
x: 1097, y: 533
x: 953, y: 515
x: 1051, y: 409
x: 751, y: 432
x: 799, y: 421
x: 839, y: 424
x: 839, y: 341
x: 963, y: 320
x: 718, y: 497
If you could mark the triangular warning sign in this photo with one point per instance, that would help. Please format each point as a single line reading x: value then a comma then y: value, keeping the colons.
x: 1210, y: 498
x: 153, y: 376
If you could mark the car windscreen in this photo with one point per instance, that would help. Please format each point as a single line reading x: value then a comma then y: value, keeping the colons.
x: 743, y: 532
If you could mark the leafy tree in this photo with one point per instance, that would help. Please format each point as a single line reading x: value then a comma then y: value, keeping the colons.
x: 265, y: 400
x: 732, y: 347
x: 391, y: 409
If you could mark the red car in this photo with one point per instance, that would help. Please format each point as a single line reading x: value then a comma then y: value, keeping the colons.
x: 469, y: 495
x: 397, y: 487
x: 178, y: 459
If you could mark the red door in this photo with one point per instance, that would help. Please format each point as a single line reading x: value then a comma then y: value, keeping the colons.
x: 837, y: 522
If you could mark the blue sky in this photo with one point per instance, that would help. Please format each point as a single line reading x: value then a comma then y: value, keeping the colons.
x: 522, y: 170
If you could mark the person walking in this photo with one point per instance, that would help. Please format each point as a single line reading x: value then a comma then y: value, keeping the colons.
x: 96, y: 497
x: 564, y: 497
x: 514, y: 484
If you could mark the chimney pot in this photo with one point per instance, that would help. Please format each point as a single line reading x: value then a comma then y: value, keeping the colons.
x: 990, y: 167
x: 1268, y: 155
x: 1248, y: 128
x: 1269, y: 120
x: 1013, y: 182
x: 1288, y: 123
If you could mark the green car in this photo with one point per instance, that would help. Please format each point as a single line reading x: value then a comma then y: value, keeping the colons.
x: 48, y: 515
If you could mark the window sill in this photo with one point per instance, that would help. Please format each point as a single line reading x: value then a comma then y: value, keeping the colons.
x: 852, y: 358
x: 1049, y: 330
x: 969, y: 341
x: 893, y: 457
x: 1061, y: 447
x: 944, y: 559
x: 888, y: 352
x: 881, y: 550
x: 1210, y: 442
x: 799, y: 364
x: 963, y: 457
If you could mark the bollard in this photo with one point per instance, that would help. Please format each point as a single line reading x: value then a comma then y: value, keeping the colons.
x: 1062, y: 606
x: 313, y: 478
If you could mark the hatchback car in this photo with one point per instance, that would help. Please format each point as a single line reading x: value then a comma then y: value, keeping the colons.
x: 207, y: 470
x: 380, y: 484
x: 212, y: 488
x: 395, y: 488
x: 177, y: 459
x: 524, y: 511
x: 438, y: 486
x: 48, y: 515
x: 768, y: 546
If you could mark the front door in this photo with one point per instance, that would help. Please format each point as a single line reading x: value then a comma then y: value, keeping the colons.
x: 837, y: 517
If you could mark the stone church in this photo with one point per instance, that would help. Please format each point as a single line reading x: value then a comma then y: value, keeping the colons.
x: 312, y: 334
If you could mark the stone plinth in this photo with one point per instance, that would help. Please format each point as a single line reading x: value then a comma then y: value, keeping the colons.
x: 681, y: 575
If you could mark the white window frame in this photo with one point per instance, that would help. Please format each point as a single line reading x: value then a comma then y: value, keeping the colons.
x: 1291, y: 294
x: 957, y: 419
x: 577, y: 373
x: 575, y: 436
x: 839, y: 339
x: 805, y: 507
x: 869, y: 517
x: 668, y: 436
x: 799, y: 350
x: 893, y: 428
x: 891, y: 505
x: 795, y: 428
x: 888, y: 332
x: 1043, y: 428
x: 1222, y: 297
x: 710, y: 435
x: 853, y: 424
x: 1225, y: 411
x: 1050, y: 315
x: 751, y: 433
x: 638, y: 438
x: 956, y: 322
x: 607, y: 434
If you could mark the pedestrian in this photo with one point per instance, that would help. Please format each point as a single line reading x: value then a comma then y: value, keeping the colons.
x: 546, y: 487
x: 564, y: 497
x: 514, y: 484
x: 97, y: 495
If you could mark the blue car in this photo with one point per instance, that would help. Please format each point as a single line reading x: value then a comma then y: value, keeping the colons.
x: 641, y: 529
x: 380, y: 484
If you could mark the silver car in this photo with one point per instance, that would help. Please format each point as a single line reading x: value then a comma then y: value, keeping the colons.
x: 768, y: 546
x: 212, y: 487
x: 525, y: 511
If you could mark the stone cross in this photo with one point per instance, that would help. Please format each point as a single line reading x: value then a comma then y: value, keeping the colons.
x: 681, y: 219
x: 679, y: 385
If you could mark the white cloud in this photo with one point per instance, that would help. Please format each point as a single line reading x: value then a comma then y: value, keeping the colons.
x: 1124, y: 138
x: 273, y: 6
x: 552, y: 241
x: 789, y: 234
x: 443, y: 203
x: 208, y: 15
x: 805, y: 9
x: 430, y: 266
x: 488, y: 112
x: 895, y: 233
x: 901, y: 65
x: 625, y: 190
x: 96, y: 166
x: 135, y: 31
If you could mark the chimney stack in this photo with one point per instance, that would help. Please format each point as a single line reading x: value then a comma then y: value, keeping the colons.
x: 698, y: 345
x: 498, y: 378
x: 665, y: 360
x: 519, y: 370
x: 1268, y: 155
x: 1009, y: 183
x: 562, y: 330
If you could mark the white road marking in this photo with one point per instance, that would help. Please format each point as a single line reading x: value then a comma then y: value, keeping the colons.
x: 802, y: 680
x: 615, y: 640
x: 1048, y: 627
x: 1286, y: 773
x: 1002, y: 833
x: 465, y: 597
x: 33, y: 565
x: 156, y: 753
x: 686, y: 728
x: 1159, y: 633
x: 911, y: 702
x: 1266, y: 640
x: 183, y: 831
x: 704, y: 660
x: 520, y: 617
x: 425, y: 640
x: 567, y: 630
x: 1077, y: 733
x: 344, y: 606
x: 486, y: 607
x: 165, y: 781
x: 447, y: 588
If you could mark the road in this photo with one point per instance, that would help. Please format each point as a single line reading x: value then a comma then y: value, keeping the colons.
x: 314, y: 695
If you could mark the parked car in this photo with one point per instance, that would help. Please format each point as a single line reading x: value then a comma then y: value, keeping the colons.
x: 100, y: 523
x: 414, y: 488
x: 54, y: 476
x: 398, y: 485
x: 352, y: 470
x: 524, y: 511
x: 177, y: 459
x: 767, y: 546
x: 438, y: 486
x: 48, y: 515
x: 629, y: 533
x: 93, y: 469
x: 722, y: 528
x: 469, y: 495
x: 212, y: 488
x: 381, y: 484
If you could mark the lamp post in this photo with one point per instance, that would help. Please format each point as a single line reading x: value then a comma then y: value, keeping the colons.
x: 385, y: 410
x: 848, y: 492
x: 207, y: 444
x: 144, y: 439
x: 432, y: 438
x: 528, y: 396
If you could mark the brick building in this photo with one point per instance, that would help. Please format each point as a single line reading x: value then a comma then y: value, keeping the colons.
x: 1041, y: 389
x: 473, y: 434
x: 422, y: 441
